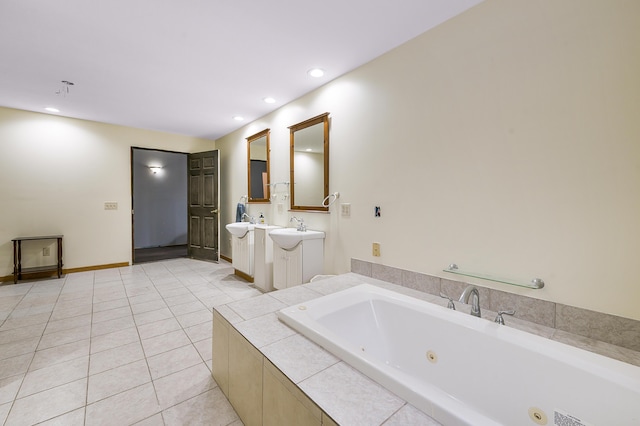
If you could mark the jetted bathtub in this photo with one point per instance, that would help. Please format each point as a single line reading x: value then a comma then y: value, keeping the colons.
x: 463, y: 370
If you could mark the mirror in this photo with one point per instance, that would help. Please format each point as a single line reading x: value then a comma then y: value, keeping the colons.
x: 309, y: 163
x: 258, y: 167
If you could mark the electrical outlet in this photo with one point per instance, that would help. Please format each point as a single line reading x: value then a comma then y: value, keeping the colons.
x: 376, y: 249
x: 280, y: 208
x: 345, y: 209
x: 46, y: 251
x: 111, y: 205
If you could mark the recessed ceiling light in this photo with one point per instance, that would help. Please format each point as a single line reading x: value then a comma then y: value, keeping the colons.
x: 51, y: 109
x: 316, y: 72
x: 269, y: 100
x: 238, y: 118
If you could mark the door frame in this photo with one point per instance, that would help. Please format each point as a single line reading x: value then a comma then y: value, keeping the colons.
x: 133, y: 246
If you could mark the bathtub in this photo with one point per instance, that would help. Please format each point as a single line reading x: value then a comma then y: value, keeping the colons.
x: 462, y: 370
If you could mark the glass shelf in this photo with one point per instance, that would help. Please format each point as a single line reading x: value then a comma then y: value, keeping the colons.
x: 535, y: 283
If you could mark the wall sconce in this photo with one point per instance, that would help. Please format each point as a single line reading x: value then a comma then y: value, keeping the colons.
x: 155, y: 169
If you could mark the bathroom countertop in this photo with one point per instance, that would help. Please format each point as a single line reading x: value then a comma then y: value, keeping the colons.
x: 344, y: 393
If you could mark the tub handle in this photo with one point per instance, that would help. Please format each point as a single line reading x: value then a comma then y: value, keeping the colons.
x: 450, y: 305
x: 499, y: 318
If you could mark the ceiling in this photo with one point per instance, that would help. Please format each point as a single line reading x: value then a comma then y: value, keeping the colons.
x: 190, y: 66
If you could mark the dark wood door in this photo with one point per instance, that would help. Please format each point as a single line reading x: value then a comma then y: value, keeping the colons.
x: 203, y: 205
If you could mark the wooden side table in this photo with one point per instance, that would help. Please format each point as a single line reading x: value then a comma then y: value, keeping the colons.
x: 17, y: 257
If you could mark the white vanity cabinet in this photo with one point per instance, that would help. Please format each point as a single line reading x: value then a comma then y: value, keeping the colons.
x: 242, y: 249
x: 299, y: 264
x: 263, y: 257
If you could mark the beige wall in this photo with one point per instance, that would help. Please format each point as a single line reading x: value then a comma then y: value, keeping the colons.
x: 55, y: 176
x: 505, y: 140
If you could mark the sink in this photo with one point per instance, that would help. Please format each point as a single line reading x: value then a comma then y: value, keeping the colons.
x: 239, y: 229
x: 288, y: 238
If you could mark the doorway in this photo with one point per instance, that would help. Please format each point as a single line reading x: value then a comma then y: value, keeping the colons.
x: 159, y: 200
x: 175, y: 198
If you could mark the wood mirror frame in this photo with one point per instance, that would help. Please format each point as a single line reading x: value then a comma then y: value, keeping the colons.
x: 258, y: 176
x: 309, y: 163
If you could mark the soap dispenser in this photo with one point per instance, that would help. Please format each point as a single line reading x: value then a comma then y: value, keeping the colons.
x: 261, y: 219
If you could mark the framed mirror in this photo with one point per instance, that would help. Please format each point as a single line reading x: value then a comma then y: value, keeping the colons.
x: 258, y: 167
x: 309, y: 163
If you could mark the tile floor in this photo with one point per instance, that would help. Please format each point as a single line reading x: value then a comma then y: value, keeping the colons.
x: 115, y: 347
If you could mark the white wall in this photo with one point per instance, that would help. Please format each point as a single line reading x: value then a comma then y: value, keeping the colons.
x: 505, y: 140
x: 55, y: 176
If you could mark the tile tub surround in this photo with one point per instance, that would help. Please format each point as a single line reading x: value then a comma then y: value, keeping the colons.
x: 562, y: 319
x: 116, y: 346
x: 343, y: 393
x: 337, y: 391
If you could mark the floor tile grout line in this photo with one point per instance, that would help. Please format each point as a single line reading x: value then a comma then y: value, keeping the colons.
x: 86, y: 392
x: 192, y: 344
x: 15, y: 398
x: 194, y: 274
x: 146, y: 359
x: 119, y: 392
x: 14, y: 308
x: 192, y: 397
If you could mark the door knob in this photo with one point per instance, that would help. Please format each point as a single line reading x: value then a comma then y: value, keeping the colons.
x: 214, y: 211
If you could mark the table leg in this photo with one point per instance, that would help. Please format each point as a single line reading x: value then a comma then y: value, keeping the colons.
x: 15, y: 262
x: 59, y: 257
x: 19, y: 260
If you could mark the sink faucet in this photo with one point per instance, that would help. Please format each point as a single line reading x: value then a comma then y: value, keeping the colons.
x: 251, y: 218
x: 475, y: 299
x: 301, y: 225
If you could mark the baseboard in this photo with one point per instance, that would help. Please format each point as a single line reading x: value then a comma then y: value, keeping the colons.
x: 35, y: 275
x: 227, y: 258
x: 243, y: 275
x: 29, y: 275
x: 95, y: 267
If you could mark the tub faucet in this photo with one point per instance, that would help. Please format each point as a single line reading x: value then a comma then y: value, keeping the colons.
x: 475, y: 299
x: 450, y: 305
x: 499, y: 318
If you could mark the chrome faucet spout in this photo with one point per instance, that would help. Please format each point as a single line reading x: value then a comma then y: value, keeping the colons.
x: 301, y: 225
x: 251, y: 218
x: 472, y: 291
